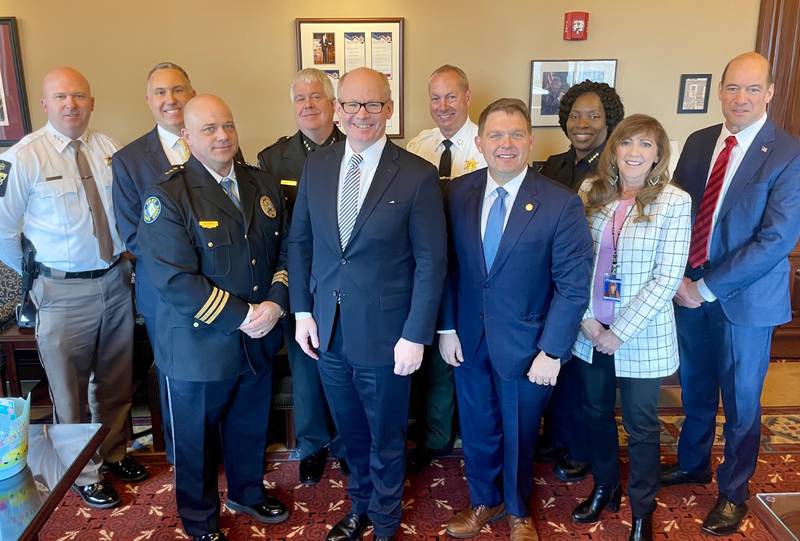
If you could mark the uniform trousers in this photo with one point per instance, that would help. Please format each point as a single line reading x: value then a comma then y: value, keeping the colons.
x: 312, y: 417
x: 370, y: 409
x: 718, y: 357
x: 166, y: 426
x: 433, y: 402
x: 500, y: 421
x: 84, y: 333
x: 639, y: 398
x: 231, y: 414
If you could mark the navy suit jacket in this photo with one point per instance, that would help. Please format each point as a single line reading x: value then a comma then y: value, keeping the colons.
x: 390, y: 276
x: 136, y: 167
x: 537, y: 290
x: 757, y: 227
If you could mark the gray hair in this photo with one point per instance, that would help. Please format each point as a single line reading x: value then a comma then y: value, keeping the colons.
x: 310, y: 76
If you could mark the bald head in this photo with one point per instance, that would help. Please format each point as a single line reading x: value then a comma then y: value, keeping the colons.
x: 210, y: 132
x: 745, y: 90
x: 359, y: 89
x: 67, y: 100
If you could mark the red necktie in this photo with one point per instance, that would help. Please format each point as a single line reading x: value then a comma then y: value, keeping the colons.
x: 698, y: 253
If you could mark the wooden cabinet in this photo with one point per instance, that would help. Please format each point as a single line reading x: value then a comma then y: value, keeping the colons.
x: 786, y: 340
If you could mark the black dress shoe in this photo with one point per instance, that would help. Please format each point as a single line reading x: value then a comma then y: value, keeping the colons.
x: 98, y: 495
x: 642, y: 528
x: 269, y: 511
x: 725, y: 517
x: 349, y: 528
x: 672, y: 474
x: 343, y: 466
x: 384, y: 538
x: 312, y: 467
x: 545, y: 452
x: 212, y: 536
x: 602, y: 496
x: 569, y: 470
x: 418, y: 459
x: 127, y: 469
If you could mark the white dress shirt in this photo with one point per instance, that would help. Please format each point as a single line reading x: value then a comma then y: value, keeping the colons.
x: 465, y: 154
x: 231, y: 175
x: 743, y: 141
x: 44, y: 198
x: 171, y: 145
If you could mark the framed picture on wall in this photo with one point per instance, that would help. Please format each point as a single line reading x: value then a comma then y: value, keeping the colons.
x: 693, y: 94
x: 15, y: 118
x: 336, y: 46
x: 550, y: 80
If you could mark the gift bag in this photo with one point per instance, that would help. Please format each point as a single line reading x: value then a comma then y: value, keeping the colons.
x: 15, y: 415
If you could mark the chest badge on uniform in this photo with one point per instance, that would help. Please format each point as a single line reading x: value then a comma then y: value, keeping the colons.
x: 151, y: 209
x: 268, y: 207
x: 470, y: 165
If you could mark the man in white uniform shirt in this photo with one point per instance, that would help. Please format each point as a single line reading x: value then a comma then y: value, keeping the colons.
x: 451, y: 147
x: 57, y: 193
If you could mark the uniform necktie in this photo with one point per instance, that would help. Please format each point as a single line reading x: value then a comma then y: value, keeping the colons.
x: 446, y: 161
x: 698, y: 252
x: 494, y: 227
x: 183, y: 149
x: 99, y: 218
x: 348, y: 204
x: 227, y: 187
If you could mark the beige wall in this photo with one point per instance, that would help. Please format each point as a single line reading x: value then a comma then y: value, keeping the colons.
x: 246, y: 53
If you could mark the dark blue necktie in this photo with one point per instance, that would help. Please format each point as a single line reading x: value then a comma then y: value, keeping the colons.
x: 494, y: 227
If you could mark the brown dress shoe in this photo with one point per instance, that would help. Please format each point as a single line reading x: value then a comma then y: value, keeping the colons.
x: 468, y: 523
x: 522, y: 529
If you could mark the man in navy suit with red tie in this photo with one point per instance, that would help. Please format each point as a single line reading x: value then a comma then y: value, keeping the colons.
x: 744, y: 179
x: 517, y: 288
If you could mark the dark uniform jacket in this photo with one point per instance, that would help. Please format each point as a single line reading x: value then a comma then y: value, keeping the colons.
x: 562, y: 167
x: 284, y: 161
x: 208, y: 263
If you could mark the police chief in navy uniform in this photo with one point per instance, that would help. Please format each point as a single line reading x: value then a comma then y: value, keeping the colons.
x: 313, y: 99
x: 213, y: 233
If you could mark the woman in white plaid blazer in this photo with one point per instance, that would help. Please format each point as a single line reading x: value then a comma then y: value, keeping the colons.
x: 641, y: 229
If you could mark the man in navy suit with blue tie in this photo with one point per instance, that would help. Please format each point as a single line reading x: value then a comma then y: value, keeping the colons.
x: 367, y: 256
x: 135, y: 168
x: 518, y: 285
x: 744, y: 179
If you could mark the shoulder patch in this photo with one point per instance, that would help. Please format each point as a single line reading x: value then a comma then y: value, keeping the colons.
x: 151, y: 209
x: 5, y: 169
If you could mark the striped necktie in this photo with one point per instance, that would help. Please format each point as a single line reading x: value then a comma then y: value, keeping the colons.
x: 348, y: 204
x: 227, y: 186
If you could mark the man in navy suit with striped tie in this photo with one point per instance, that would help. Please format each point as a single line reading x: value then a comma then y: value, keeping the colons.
x: 517, y: 288
x: 744, y: 179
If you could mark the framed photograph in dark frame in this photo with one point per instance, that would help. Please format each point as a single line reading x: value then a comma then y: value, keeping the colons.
x: 15, y: 118
x: 336, y: 46
x: 550, y: 80
x: 693, y: 94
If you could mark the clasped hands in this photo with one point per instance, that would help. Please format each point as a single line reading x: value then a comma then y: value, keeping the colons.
x: 688, y: 294
x: 604, y: 340
x: 407, y: 355
x: 263, y: 318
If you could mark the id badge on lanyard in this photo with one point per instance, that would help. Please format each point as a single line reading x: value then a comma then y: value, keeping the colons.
x: 612, y: 284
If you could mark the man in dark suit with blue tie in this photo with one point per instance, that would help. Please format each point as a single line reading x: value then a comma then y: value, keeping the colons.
x: 135, y: 168
x: 517, y: 288
x: 744, y: 179
x: 367, y: 256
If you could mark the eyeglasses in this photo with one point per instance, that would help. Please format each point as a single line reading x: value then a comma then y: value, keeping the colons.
x: 353, y: 107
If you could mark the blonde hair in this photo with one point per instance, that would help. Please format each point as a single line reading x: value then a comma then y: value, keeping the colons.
x: 605, y: 186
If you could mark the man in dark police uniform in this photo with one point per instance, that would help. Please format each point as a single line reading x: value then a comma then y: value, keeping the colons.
x: 214, y: 233
x: 313, y: 99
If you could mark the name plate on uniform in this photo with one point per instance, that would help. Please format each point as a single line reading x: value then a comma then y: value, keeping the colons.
x: 209, y: 224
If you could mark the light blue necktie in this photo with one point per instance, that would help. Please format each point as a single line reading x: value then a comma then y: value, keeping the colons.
x: 494, y: 227
x: 348, y: 206
x: 227, y: 186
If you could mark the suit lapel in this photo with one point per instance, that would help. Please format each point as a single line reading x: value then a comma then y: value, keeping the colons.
x: 156, y: 157
x: 473, y: 206
x: 385, y: 172
x: 329, y: 194
x: 210, y: 190
x: 751, y: 162
x: 526, y: 205
x: 247, y: 195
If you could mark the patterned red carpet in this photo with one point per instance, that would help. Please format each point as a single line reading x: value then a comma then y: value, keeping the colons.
x: 148, y: 511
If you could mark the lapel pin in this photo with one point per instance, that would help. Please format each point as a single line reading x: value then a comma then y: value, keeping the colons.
x: 529, y: 207
x: 763, y: 149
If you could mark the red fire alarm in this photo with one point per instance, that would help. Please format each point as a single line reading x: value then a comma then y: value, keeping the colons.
x: 576, y: 25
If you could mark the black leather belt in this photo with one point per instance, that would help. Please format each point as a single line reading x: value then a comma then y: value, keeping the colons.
x: 48, y: 272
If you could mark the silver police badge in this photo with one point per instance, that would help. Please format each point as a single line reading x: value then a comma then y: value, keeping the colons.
x: 268, y: 207
x: 151, y: 209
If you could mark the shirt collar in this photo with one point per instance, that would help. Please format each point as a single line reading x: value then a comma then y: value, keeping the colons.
x: 745, y: 137
x: 231, y: 174
x: 462, y: 136
x: 371, y: 155
x: 61, y: 141
x: 168, y: 139
x: 512, y: 186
